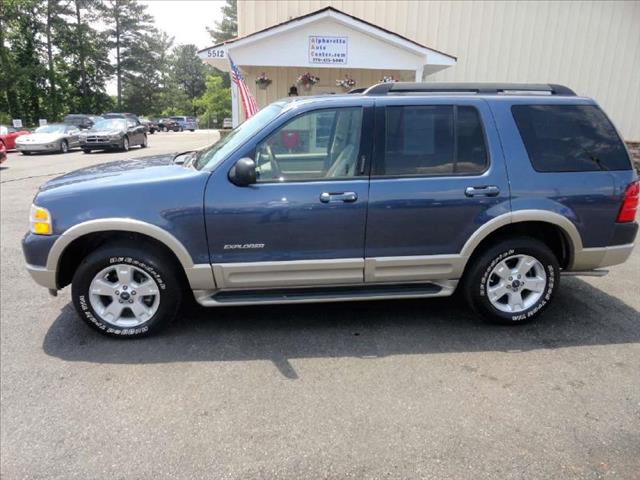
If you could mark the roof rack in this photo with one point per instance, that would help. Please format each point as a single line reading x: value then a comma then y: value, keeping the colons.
x: 401, y: 88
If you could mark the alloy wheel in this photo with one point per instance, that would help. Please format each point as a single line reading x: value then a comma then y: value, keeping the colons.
x: 124, y: 295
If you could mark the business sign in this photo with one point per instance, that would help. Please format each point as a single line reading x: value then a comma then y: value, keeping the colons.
x: 328, y: 50
x: 17, y: 123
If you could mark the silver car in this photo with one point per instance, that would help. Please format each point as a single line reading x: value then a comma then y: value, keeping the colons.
x: 56, y: 137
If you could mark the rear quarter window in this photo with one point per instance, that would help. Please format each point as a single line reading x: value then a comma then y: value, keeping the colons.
x: 570, y: 138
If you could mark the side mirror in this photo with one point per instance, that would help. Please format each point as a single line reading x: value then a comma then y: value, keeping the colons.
x: 243, y: 173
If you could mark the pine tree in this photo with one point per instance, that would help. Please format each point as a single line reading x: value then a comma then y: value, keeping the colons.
x: 228, y: 27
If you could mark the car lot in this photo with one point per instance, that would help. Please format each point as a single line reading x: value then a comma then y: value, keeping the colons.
x: 401, y: 389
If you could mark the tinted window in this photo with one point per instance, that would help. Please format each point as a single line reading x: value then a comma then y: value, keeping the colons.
x: 433, y: 140
x: 323, y: 144
x: 569, y: 138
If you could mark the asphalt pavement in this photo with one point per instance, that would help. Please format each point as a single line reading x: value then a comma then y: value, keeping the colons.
x: 390, y: 389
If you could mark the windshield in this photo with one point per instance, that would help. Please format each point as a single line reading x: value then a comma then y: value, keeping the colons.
x: 110, y: 124
x: 51, y: 129
x: 211, y: 157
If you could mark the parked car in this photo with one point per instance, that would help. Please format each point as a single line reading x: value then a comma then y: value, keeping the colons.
x: 55, y: 137
x: 402, y: 191
x: 227, y: 123
x: 114, y: 134
x: 186, y: 123
x: 80, y: 120
x: 150, y: 125
x: 119, y: 115
x: 168, y: 125
x: 8, y: 136
x: 3, y: 153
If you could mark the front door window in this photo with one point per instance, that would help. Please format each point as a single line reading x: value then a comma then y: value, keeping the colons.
x: 318, y: 145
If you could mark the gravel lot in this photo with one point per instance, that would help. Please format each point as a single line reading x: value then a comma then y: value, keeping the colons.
x: 396, y: 389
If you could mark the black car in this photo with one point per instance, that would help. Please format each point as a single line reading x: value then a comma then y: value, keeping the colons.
x: 168, y: 125
x: 119, y: 115
x: 150, y: 125
x: 114, y: 134
x: 80, y: 120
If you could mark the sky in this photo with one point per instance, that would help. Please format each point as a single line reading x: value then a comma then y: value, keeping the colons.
x: 185, y: 20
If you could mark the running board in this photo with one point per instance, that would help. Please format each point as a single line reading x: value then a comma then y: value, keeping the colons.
x: 213, y: 298
x: 585, y: 273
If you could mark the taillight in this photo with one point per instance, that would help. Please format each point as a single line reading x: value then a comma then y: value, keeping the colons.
x: 629, y: 205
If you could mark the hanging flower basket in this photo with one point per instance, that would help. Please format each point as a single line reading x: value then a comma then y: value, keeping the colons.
x: 263, y: 81
x: 346, y: 83
x: 388, y: 79
x: 306, y: 81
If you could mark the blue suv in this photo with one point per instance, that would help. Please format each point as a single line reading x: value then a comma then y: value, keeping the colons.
x: 401, y: 191
x: 186, y: 123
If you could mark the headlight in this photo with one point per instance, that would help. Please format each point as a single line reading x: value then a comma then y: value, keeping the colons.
x: 40, y: 221
x: 115, y: 137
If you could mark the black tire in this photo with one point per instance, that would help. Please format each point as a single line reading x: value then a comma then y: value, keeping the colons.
x: 192, y: 130
x: 64, y: 146
x: 125, y: 145
x: 478, y: 278
x: 144, y: 142
x: 146, y: 258
x: 26, y: 153
x: 86, y: 150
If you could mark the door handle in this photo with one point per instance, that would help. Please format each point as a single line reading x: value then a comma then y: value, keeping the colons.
x: 347, y: 197
x: 487, y: 191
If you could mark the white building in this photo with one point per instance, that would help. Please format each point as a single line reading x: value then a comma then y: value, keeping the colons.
x: 591, y: 47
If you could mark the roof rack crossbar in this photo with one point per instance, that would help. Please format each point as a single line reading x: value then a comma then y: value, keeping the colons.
x: 478, y: 88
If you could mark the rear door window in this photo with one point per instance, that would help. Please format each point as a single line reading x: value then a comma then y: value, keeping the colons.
x: 570, y: 138
x: 425, y: 140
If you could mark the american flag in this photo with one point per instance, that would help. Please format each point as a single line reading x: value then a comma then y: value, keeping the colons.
x: 248, y: 102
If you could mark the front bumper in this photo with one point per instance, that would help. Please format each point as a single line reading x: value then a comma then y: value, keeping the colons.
x: 42, y: 276
x: 37, y: 147
x: 36, y: 250
x: 100, y: 145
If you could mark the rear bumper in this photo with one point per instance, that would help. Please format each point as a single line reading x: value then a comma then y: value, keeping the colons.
x: 592, y: 258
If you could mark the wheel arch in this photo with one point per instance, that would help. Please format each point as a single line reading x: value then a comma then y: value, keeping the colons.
x: 67, y: 251
x: 557, y: 231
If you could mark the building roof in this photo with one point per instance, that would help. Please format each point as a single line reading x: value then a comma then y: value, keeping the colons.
x: 318, y: 13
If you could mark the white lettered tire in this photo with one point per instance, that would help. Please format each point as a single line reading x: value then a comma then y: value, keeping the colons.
x: 126, y: 292
x: 513, y: 281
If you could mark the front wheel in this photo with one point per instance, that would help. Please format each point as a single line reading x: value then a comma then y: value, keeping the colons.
x: 126, y: 292
x: 145, y: 141
x: 125, y: 144
x: 64, y: 146
x: 513, y: 281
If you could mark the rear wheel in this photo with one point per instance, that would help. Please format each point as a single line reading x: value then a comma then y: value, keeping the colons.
x: 86, y: 150
x: 144, y: 141
x: 513, y: 281
x: 126, y: 292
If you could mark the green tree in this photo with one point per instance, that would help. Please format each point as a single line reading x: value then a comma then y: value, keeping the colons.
x: 227, y: 28
x: 129, y: 25
x: 215, y: 103
x: 83, y: 59
x: 145, y: 84
x: 188, y: 73
x: 23, y: 35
